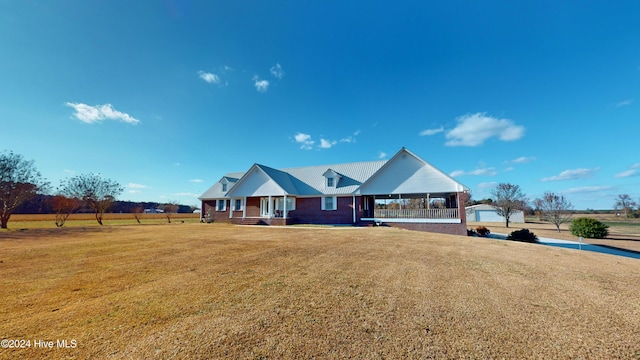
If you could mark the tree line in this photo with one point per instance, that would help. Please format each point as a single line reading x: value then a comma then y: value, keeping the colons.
x: 24, y: 189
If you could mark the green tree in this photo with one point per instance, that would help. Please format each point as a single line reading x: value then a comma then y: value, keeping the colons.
x: 589, y: 228
x: 95, y: 191
x: 508, y: 198
x: 19, y: 182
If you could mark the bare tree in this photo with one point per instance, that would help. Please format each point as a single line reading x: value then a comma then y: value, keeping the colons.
x: 625, y: 203
x: 64, y: 207
x: 169, y: 209
x: 137, y: 212
x: 554, y: 208
x: 94, y: 190
x: 19, y: 182
x: 508, y: 198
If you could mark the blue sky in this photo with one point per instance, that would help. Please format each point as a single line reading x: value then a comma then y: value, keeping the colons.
x: 167, y: 96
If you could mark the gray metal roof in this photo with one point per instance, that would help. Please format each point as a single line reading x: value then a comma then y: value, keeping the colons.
x: 415, y: 175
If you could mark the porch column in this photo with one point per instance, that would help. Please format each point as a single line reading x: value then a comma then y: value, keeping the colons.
x: 400, y: 201
x: 428, y: 201
x: 284, y: 210
x: 270, y: 207
x: 244, y: 208
x: 231, y: 208
x: 354, y: 209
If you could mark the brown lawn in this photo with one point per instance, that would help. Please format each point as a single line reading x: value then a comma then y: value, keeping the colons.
x: 221, y: 291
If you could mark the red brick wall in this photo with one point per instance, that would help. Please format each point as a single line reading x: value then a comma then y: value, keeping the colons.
x: 210, y: 206
x: 309, y: 211
x: 253, y: 207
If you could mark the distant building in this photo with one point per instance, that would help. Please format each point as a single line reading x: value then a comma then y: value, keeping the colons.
x: 153, y: 211
x: 488, y: 213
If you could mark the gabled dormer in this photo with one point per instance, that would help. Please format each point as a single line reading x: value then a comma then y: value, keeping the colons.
x: 332, y: 178
x: 225, y: 184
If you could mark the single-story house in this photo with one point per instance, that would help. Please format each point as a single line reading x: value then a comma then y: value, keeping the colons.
x: 488, y: 213
x: 404, y: 191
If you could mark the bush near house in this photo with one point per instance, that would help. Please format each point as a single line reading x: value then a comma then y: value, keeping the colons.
x: 523, y: 235
x: 482, y: 231
x: 589, y: 228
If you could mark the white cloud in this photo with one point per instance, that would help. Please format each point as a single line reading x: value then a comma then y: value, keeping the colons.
x: 382, y: 155
x: 304, y: 140
x: 624, y: 103
x: 429, y: 132
x: 93, y: 114
x: 211, y: 78
x: 186, y: 194
x: 635, y: 166
x: 487, y: 185
x: 276, y: 71
x: 628, y: 173
x: 490, y: 171
x: 326, y: 144
x: 350, y: 139
x: 572, y: 175
x: 521, y: 160
x: 474, y: 129
x: 261, y: 85
x: 196, y: 180
x: 136, y: 186
x: 588, y: 189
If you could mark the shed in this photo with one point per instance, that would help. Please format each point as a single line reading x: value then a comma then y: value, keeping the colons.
x: 488, y: 213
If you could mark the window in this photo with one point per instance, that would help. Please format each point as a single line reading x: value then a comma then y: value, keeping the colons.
x: 329, y: 203
x: 221, y: 205
x: 224, y: 187
x: 330, y: 182
x: 291, y: 203
x: 238, y: 205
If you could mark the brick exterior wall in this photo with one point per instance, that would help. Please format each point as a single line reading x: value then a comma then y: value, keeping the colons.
x: 308, y: 211
x: 209, y: 206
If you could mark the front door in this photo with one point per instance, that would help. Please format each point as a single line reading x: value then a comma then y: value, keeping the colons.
x: 264, y: 207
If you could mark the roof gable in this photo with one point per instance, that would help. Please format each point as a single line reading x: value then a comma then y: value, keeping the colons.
x: 406, y: 173
x: 262, y: 180
x: 216, y: 190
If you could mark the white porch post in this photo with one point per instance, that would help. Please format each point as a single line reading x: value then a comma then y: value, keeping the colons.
x: 231, y: 208
x: 428, y: 201
x: 270, y: 207
x: 284, y: 210
x: 400, y: 201
x: 354, y: 209
x: 244, y: 208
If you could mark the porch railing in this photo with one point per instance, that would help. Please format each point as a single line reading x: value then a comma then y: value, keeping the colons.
x: 416, y: 213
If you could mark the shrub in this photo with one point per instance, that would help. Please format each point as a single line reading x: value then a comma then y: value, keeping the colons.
x: 482, y: 231
x: 589, y: 228
x: 523, y: 235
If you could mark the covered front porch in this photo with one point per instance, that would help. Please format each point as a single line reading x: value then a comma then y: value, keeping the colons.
x: 413, y: 208
x: 266, y: 210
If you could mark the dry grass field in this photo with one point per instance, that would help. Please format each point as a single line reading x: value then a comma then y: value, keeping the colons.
x: 39, y: 221
x: 221, y: 291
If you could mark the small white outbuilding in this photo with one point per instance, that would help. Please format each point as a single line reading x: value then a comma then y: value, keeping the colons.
x: 488, y: 213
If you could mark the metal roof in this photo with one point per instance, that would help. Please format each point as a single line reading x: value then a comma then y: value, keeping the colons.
x: 311, y: 180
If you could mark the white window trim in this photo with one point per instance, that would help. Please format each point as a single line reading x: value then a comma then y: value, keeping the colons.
x: 235, y: 201
x: 224, y: 206
x: 333, y: 180
x: 324, y: 203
